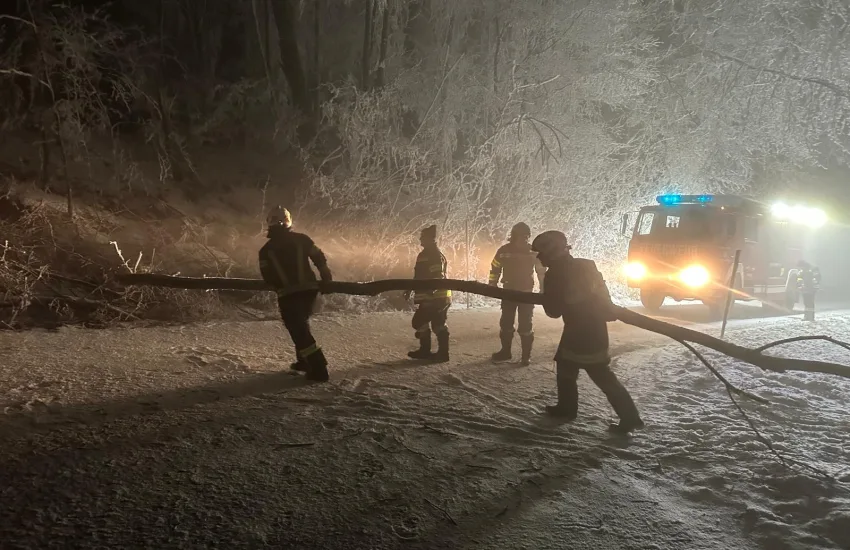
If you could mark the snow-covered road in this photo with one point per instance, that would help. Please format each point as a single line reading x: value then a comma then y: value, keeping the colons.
x: 196, y: 436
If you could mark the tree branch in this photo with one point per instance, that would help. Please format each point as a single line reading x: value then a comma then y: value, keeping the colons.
x: 835, y: 88
x: 730, y: 389
x: 754, y: 357
x: 829, y: 339
x: 729, y: 386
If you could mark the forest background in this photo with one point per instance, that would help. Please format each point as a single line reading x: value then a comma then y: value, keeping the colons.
x: 154, y: 136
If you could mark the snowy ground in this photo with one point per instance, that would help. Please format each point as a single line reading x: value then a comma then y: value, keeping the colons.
x: 196, y: 436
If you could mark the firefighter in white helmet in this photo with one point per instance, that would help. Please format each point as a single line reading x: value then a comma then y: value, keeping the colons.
x: 285, y: 265
x: 576, y: 291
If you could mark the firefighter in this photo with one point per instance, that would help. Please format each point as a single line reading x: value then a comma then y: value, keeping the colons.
x: 808, y: 283
x: 515, y: 263
x: 285, y: 265
x: 433, y: 305
x: 576, y: 291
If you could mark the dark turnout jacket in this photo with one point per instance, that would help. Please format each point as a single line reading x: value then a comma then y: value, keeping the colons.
x: 808, y: 279
x: 431, y: 264
x: 515, y: 264
x: 576, y: 291
x: 285, y: 262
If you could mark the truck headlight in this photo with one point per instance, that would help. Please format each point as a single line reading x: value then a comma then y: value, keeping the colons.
x: 635, y: 271
x: 695, y: 276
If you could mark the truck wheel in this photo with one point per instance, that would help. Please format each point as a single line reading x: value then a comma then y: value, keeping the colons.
x: 717, y: 307
x: 652, y: 300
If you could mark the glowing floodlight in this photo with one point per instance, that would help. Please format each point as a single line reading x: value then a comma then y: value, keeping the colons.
x: 781, y: 210
x: 812, y: 217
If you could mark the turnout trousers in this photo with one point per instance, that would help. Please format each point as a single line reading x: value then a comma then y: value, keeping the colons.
x: 604, y: 378
x: 431, y: 316
x: 510, y: 312
x: 295, y: 311
x: 809, y: 304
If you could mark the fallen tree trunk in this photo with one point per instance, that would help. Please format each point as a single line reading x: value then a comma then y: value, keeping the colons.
x: 334, y: 287
x: 754, y: 357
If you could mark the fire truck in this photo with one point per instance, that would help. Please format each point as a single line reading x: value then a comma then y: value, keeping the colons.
x: 684, y: 248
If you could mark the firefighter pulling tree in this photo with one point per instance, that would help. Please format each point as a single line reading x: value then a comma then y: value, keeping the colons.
x: 576, y: 292
x: 285, y: 265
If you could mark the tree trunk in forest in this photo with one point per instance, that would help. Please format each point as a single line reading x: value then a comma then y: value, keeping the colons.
x: 44, y: 171
x: 365, y: 80
x: 382, y: 55
x: 317, y: 51
x: 754, y: 357
x: 414, y: 8
x: 496, y: 57
x: 290, y: 56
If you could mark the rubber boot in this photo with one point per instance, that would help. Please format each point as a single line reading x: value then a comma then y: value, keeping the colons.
x: 424, y: 351
x: 567, y: 408
x: 504, y: 354
x: 300, y: 365
x: 527, y: 340
x: 624, y: 427
x: 625, y: 408
x: 317, y: 367
x: 442, y: 355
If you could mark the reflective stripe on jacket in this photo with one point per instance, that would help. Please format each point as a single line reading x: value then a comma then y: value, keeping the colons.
x: 431, y: 264
x: 515, y: 264
x: 808, y: 279
x: 285, y: 262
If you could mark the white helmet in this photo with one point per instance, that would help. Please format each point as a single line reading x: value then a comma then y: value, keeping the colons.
x: 279, y: 216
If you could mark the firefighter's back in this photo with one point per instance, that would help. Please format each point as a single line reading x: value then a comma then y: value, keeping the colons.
x: 288, y: 253
x: 431, y: 264
x: 586, y: 311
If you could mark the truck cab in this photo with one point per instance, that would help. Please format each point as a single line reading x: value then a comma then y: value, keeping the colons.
x: 684, y: 248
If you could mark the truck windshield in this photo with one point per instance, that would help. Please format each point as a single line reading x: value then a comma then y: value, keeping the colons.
x: 676, y: 223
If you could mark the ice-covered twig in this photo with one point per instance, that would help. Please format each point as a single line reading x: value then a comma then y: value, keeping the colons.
x: 729, y: 386
x: 445, y: 512
x: 732, y: 390
x: 829, y: 339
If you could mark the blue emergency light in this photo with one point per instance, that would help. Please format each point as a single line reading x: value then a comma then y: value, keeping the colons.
x: 670, y: 200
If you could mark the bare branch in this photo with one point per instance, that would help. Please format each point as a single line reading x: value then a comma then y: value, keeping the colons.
x: 835, y: 88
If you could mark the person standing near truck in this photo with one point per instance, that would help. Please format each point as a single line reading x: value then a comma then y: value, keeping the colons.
x: 808, y: 283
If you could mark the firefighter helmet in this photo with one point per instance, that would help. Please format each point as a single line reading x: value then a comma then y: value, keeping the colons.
x: 429, y: 233
x: 279, y: 216
x: 550, y: 244
x: 520, y: 232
